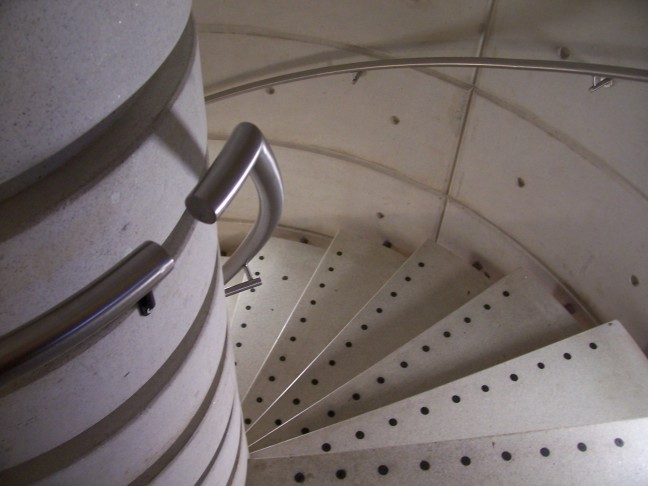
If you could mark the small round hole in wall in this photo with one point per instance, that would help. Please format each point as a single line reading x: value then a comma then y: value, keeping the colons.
x: 394, y: 119
x: 278, y: 422
x: 296, y: 401
x: 487, y: 307
x: 387, y: 244
x: 340, y: 474
x: 300, y: 478
x: 404, y: 364
x: 305, y: 430
x: 379, y: 310
x: 424, y: 465
x: 285, y: 277
x: 541, y: 365
x: 364, y: 327
x: 514, y: 377
x: 634, y: 280
x: 270, y: 90
x: 332, y: 362
x: 520, y: 182
x: 393, y: 422
x: 456, y: 398
x: 330, y: 269
x: 331, y: 413
x: 619, y: 442
x: 485, y: 388
x: 393, y: 294
x: 313, y: 302
x: 248, y: 307
x: 425, y: 348
x: 421, y: 264
x: 314, y: 381
x: 465, y: 460
x: 564, y: 52
x: 326, y: 447
x: 567, y: 356
x: 506, y: 455
x: 383, y: 470
x: 506, y: 293
x: 243, y: 325
x: 408, y: 279
x: 271, y: 378
x: 339, y: 253
x: 293, y: 338
x: 356, y: 396
x: 544, y: 452
x: 593, y: 345
x: 259, y: 400
x: 322, y: 285
x: 360, y: 435
x: 581, y: 446
x: 380, y: 380
x: 257, y: 273
x: 282, y: 358
x: 467, y: 320
x: 348, y: 344
x: 424, y: 411
x: 261, y: 257
x: 380, y: 215
x: 238, y: 345
x: 447, y: 334
x: 247, y: 421
x: 303, y: 319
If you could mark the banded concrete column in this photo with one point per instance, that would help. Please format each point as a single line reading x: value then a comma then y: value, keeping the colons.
x: 102, y: 137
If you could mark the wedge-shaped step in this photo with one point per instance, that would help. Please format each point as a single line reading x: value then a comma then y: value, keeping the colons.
x: 597, y: 376
x: 351, y: 271
x: 510, y: 318
x: 431, y: 284
x: 608, y: 453
x: 285, y: 267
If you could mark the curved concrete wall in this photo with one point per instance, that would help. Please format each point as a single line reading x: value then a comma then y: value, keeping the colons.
x: 147, y: 399
x: 505, y: 168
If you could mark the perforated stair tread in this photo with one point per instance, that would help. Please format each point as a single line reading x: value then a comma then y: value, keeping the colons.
x: 596, y: 376
x: 430, y: 285
x: 351, y: 271
x: 285, y: 267
x: 512, y: 317
x: 606, y: 453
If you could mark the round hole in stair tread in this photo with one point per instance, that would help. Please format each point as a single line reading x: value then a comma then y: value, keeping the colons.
x: 514, y: 377
x: 393, y: 422
x: 243, y: 325
x: 300, y: 478
x: 408, y: 279
x: 380, y: 380
x: 322, y: 285
x: 593, y: 345
x: 248, y: 307
x: 506, y: 293
x: 282, y: 358
x: 339, y: 253
x: 303, y: 319
x: 270, y: 90
x: 305, y: 430
x: 404, y: 364
x: 541, y: 365
x: 247, y: 421
x: 278, y: 422
x: 487, y: 307
x: 465, y: 460
x: 348, y: 344
x: 259, y: 399
x: 326, y: 447
x: 456, y: 398
x: 360, y: 435
x: 296, y: 401
x: 313, y: 302
x: 467, y: 320
x: 619, y: 442
x: 424, y: 411
x: 447, y: 334
x: 581, y: 446
x: 331, y: 413
x: 395, y: 120
x: 425, y: 348
x: 567, y: 356
x: 379, y: 310
x: 380, y: 215
x: 285, y: 277
x: 293, y: 338
x: 261, y: 257
x: 238, y: 345
x: 340, y: 474
x: 332, y: 362
x: 634, y: 280
x: 364, y: 327
x: 506, y: 455
x: 545, y: 452
x: 394, y: 294
x: 257, y: 273
x: 271, y: 378
x: 421, y: 264
x: 424, y: 465
x: 485, y: 388
x: 314, y: 381
x: 383, y: 470
x: 330, y: 269
x: 356, y: 396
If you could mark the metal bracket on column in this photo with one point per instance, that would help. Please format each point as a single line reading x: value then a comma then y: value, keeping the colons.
x: 250, y: 283
x: 146, y: 304
x: 599, y: 82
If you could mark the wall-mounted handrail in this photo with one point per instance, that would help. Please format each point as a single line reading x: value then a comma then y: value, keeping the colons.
x: 246, y: 152
x: 90, y: 309
x: 616, y: 72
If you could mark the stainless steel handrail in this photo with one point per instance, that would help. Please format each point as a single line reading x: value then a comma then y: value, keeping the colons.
x: 90, y: 309
x: 617, y: 72
x: 246, y: 152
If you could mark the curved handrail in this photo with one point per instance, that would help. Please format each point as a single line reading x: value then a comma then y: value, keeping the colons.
x: 618, y: 72
x: 246, y: 152
x: 90, y: 309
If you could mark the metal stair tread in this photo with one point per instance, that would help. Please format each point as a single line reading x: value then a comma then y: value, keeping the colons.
x: 512, y: 317
x: 603, y: 453
x: 431, y: 284
x: 350, y: 272
x: 596, y: 376
x: 285, y: 268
